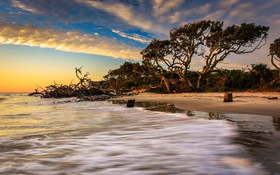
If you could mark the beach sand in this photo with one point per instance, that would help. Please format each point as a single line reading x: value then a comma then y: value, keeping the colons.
x: 243, y: 102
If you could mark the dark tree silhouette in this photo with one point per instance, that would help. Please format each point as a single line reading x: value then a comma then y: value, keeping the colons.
x: 154, y: 57
x: 274, y: 52
x: 209, y: 40
x: 186, y: 42
x: 128, y: 75
x: 261, y: 71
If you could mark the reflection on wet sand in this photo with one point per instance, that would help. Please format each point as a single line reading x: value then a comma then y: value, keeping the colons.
x: 276, y: 123
x: 260, y: 134
x: 248, y: 122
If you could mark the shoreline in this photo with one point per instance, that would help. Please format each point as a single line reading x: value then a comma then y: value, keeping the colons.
x: 243, y: 102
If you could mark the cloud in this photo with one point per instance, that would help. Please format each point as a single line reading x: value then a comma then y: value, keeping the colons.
x: 56, y: 11
x: 243, y: 12
x: 22, y: 6
x: 69, y: 41
x: 215, y: 15
x: 134, y: 36
x: 228, y: 4
x: 196, y: 10
x: 128, y: 14
x: 163, y: 6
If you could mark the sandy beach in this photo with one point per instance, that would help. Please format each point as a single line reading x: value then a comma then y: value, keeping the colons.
x: 243, y: 102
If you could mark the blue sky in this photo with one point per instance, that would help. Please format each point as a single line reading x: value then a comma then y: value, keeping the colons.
x: 42, y: 41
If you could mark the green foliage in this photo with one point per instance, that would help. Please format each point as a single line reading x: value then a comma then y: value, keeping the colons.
x: 129, y: 75
x: 262, y: 72
x: 274, y: 48
x: 258, y: 76
x: 130, y: 84
x: 217, y: 89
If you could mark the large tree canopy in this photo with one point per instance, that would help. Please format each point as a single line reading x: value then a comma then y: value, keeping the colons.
x: 242, y: 39
x: 204, y: 39
x: 127, y: 75
x: 187, y: 41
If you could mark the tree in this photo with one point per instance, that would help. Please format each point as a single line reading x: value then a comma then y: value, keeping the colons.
x: 186, y: 42
x: 128, y: 75
x: 154, y: 57
x: 261, y: 71
x: 208, y: 39
x: 274, y: 52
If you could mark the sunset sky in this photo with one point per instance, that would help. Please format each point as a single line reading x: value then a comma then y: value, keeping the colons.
x: 42, y: 41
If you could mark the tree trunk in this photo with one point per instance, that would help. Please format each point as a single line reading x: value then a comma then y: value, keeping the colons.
x: 166, y: 82
x: 189, y: 82
x: 198, y: 82
x: 274, y: 81
x: 262, y: 82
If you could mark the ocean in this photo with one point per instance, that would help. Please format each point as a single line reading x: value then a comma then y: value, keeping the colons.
x: 63, y: 136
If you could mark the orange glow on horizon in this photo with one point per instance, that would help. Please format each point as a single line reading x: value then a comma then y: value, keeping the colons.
x: 22, y: 81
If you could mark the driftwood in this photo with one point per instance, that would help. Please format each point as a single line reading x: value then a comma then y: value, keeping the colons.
x: 85, y: 89
x: 35, y: 93
x: 272, y: 98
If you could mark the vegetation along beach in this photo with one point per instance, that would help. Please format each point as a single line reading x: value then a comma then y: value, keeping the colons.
x: 139, y: 87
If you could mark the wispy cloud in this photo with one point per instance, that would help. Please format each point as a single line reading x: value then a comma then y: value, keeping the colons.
x: 164, y: 6
x: 128, y: 14
x: 228, y: 4
x: 215, y: 15
x: 133, y: 36
x: 69, y: 41
x: 22, y: 6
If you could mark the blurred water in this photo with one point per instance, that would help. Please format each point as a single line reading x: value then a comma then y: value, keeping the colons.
x: 58, y: 136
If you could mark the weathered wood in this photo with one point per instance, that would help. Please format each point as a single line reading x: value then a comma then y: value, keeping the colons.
x: 34, y: 93
x: 272, y: 98
x: 228, y: 97
x: 130, y: 103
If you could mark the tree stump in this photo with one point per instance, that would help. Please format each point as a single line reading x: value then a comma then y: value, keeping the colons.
x: 130, y: 103
x: 228, y: 97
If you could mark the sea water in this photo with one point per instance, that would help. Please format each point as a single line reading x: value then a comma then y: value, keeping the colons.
x: 62, y: 136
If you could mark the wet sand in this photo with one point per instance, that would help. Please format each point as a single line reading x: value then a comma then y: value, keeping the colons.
x: 243, y: 102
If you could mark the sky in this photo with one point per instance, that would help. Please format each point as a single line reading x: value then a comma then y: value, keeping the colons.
x: 42, y: 41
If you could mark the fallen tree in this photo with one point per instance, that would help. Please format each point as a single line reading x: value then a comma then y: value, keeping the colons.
x: 85, y: 89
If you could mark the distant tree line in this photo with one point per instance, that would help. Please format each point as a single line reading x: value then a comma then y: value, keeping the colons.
x: 166, y: 64
x: 256, y: 77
